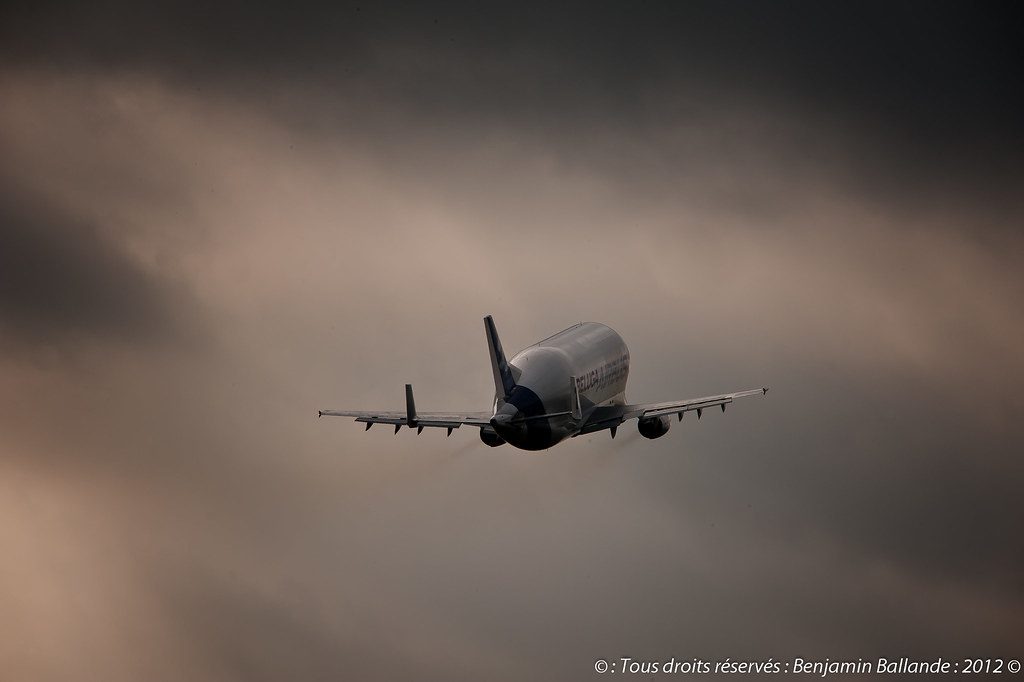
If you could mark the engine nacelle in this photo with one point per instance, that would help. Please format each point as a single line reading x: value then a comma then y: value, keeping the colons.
x: 490, y: 438
x: 653, y: 427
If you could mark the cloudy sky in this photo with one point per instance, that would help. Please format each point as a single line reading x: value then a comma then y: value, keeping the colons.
x: 216, y: 221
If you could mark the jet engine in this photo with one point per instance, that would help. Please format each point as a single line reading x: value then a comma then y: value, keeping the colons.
x: 491, y: 438
x: 653, y: 427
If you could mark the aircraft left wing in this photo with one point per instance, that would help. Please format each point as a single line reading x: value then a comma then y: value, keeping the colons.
x: 413, y: 419
x: 610, y: 416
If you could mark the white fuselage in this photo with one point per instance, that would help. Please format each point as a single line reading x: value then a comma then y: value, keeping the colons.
x: 592, y: 353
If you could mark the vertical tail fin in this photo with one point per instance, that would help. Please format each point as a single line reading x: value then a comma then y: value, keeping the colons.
x: 503, y: 382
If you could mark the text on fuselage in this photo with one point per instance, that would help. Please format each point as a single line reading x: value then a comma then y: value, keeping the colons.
x: 604, y: 375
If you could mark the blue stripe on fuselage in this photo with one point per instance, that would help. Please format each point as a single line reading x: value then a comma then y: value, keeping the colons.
x: 534, y: 434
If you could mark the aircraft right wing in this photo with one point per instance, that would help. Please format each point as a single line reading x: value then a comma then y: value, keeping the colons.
x: 610, y: 416
x: 412, y: 419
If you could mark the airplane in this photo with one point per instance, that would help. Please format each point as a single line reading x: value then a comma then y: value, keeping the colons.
x: 565, y: 386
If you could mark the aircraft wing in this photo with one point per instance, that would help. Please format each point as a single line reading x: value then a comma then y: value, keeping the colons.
x: 412, y: 418
x: 610, y: 416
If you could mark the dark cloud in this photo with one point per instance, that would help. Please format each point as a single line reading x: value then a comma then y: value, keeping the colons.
x: 914, y: 104
x: 62, y: 280
x: 931, y: 82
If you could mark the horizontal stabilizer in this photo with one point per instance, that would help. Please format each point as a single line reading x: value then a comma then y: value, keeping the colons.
x: 535, y: 417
